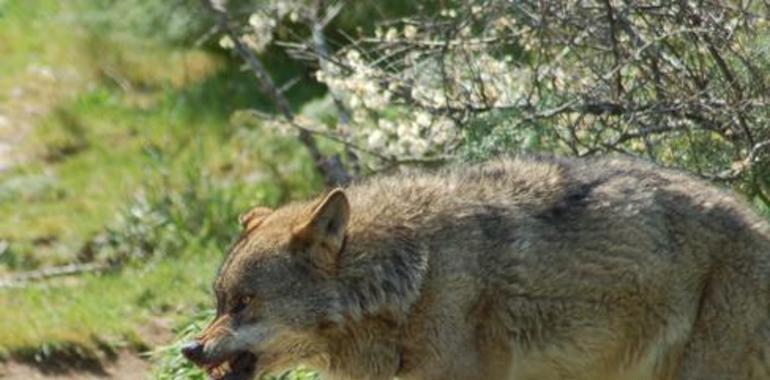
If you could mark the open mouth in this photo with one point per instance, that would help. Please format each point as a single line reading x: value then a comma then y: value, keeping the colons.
x: 240, y: 366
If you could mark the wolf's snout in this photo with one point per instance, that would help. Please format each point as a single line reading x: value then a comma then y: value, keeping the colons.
x: 193, y: 351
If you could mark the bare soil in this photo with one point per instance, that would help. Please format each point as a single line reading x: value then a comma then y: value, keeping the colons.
x: 122, y: 365
x: 125, y: 365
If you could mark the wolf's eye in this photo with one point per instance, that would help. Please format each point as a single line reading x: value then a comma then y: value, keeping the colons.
x: 241, y: 304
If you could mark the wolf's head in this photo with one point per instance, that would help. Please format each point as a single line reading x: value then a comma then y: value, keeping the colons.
x: 275, y: 291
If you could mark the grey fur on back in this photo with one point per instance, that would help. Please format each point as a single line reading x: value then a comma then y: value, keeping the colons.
x: 661, y: 271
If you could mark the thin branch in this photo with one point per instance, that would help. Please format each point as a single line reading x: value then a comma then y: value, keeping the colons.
x: 330, y: 168
x: 322, y: 50
x: 21, y: 279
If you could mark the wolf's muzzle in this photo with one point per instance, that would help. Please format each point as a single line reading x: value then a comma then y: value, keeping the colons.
x: 193, y: 351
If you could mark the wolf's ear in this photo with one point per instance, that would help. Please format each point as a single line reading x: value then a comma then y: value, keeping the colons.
x: 254, y: 217
x: 327, y: 223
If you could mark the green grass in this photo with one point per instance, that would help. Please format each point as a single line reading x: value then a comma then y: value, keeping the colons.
x: 168, y: 241
x: 103, y: 308
x: 30, y: 33
x: 139, y: 201
x: 131, y: 158
x: 80, y: 191
x: 89, y: 152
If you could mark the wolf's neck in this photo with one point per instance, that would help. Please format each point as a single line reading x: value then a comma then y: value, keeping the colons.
x: 381, y: 273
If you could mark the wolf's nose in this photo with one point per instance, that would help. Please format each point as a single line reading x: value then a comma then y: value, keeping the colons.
x: 193, y: 351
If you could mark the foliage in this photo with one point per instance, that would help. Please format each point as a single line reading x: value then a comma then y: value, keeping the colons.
x: 680, y: 83
x: 160, y: 222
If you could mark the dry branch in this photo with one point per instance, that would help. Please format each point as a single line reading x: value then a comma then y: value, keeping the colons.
x: 23, y: 278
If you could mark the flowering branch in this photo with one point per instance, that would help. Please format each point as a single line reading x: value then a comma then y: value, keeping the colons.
x: 330, y: 167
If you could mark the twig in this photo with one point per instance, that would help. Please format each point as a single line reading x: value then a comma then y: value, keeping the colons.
x: 611, y: 19
x: 20, y: 279
x: 322, y: 51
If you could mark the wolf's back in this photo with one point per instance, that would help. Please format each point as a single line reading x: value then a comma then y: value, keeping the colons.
x: 588, y: 269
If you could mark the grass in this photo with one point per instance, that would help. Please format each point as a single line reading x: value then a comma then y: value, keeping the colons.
x: 169, y: 241
x: 129, y: 157
x: 26, y: 33
x: 102, y: 308
x: 91, y: 149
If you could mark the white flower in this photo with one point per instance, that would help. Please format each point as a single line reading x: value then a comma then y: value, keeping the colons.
x: 355, y: 102
x: 376, y: 140
x: 369, y: 88
x: 360, y: 116
x: 418, y: 147
x: 353, y: 56
x: 439, y: 100
x: 423, y: 119
x: 257, y: 42
x: 406, y: 131
x: 386, y: 125
x: 226, y: 43
x: 259, y: 21
x: 320, y: 76
x: 410, y: 31
x: 443, y: 131
x: 391, y: 35
x: 283, y: 7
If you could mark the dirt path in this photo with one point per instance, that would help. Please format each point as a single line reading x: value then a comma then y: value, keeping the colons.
x: 124, y: 365
x: 127, y: 365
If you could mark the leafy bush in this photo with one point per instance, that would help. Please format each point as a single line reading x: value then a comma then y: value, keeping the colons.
x: 682, y: 84
x: 160, y: 222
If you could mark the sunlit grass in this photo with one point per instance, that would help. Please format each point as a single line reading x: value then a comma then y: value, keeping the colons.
x: 78, y: 183
x: 103, y: 308
x: 121, y: 121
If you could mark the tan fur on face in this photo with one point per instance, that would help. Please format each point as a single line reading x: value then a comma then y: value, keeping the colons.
x: 514, y: 269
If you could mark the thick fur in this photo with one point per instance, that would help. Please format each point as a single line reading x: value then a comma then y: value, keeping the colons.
x: 515, y: 269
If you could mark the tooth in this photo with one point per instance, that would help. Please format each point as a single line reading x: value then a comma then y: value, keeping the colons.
x: 226, y: 366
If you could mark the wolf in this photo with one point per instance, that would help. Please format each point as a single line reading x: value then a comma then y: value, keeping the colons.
x: 523, y: 268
